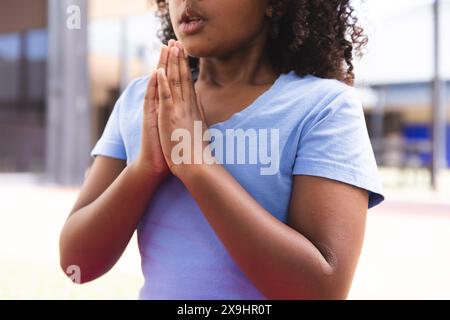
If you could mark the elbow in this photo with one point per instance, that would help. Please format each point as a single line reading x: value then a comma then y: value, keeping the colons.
x: 73, y: 263
x: 311, y: 294
x: 323, y: 286
x: 331, y: 293
x: 77, y: 271
x: 70, y: 265
x: 73, y: 272
x: 333, y: 281
x: 332, y: 286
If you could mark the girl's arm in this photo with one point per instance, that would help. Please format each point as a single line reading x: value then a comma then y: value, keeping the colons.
x: 105, y: 216
x: 114, y: 197
x: 313, y: 257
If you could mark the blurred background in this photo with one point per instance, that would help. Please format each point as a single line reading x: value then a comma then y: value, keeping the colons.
x: 63, y: 64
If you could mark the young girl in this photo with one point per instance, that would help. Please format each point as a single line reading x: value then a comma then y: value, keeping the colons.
x: 227, y: 230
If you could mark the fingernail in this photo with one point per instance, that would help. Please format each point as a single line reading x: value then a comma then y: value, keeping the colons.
x: 175, y: 51
x: 180, y: 48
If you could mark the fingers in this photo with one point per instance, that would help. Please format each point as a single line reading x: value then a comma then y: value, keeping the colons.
x: 150, y: 95
x: 162, y: 63
x: 164, y: 55
x: 164, y: 91
x: 171, y: 43
x: 173, y: 74
x: 185, y: 76
x: 150, y: 112
x: 182, y: 82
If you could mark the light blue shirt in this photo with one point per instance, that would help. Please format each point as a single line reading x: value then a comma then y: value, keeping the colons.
x: 322, y: 132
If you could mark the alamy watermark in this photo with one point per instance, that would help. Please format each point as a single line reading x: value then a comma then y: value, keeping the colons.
x: 73, y: 21
x: 237, y: 146
x: 74, y: 273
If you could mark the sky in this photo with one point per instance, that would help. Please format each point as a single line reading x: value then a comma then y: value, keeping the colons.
x: 401, y: 41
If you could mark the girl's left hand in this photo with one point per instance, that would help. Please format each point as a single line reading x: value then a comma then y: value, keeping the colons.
x: 178, y: 111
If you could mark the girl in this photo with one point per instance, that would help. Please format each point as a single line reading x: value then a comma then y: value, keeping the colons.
x: 212, y: 230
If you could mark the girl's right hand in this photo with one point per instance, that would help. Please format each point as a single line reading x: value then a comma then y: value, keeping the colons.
x: 150, y: 160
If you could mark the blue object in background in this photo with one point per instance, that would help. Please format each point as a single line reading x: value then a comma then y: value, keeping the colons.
x: 414, y: 133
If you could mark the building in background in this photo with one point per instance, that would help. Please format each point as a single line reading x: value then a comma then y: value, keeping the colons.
x: 397, y: 70
x: 58, y: 86
x: 23, y: 58
x: 49, y: 122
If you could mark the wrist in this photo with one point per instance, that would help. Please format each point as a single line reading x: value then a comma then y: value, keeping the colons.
x: 191, y: 170
x: 147, y: 173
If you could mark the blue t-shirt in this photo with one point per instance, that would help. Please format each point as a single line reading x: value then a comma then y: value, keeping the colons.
x: 321, y: 132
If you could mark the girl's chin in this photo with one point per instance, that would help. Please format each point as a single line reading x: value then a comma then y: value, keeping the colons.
x: 198, y: 48
x: 199, y: 52
x: 203, y: 47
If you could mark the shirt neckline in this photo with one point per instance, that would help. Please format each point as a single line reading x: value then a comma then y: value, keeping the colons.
x: 265, y: 96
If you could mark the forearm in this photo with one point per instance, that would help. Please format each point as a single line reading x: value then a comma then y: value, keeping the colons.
x: 95, y: 236
x: 280, y: 261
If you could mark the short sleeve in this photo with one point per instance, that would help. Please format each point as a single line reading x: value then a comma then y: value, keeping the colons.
x: 334, y: 144
x: 111, y: 143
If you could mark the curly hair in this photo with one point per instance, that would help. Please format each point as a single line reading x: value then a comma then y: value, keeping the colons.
x: 317, y: 37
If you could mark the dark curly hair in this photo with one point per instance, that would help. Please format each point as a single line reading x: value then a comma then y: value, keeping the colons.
x: 317, y: 37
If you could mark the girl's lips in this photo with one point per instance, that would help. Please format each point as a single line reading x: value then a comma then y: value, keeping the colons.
x: 193, y: 26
